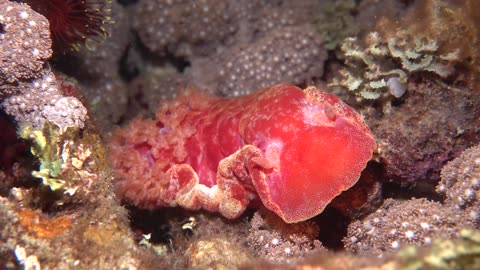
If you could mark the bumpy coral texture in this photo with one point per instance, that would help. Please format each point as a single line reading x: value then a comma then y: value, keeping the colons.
x: 461, y: 183
x: 293, y: 54
x: 273, y: 240
x: 294, y: 150
x: 397, y: 223
x: 41, y: 99
x: 183, y: 27
x: 24, y: 36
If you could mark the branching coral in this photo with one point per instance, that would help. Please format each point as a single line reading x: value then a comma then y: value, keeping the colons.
x: 387, y: 63
x: 454, y: 25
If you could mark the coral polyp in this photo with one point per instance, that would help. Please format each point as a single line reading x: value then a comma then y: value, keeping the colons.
x: 73, y: 21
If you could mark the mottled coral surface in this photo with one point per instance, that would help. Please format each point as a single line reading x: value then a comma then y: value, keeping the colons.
x: 296, y: 150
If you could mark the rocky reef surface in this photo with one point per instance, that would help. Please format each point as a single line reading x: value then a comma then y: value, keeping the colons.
x: 68, y: 79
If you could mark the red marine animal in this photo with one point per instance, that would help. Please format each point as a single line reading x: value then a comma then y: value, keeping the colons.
x: 293, y: 150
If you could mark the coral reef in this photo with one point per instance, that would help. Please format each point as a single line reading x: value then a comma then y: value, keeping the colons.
x: 81, y: 218
x: 461, y: 183
x: 461, y: 34
x: 397, y: 223
x: 257, y: 141
x: 459, y: 252
x: 418, y: 60
x: 277, y: 242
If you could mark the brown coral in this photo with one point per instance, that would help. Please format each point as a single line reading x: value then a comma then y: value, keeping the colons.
x: 416, y: 221
x: 292, y: 54
x: 25, y: 42
x: 184, y: 27
x: 275, y: 241
x: 418, y: 136
x: 461, y: 183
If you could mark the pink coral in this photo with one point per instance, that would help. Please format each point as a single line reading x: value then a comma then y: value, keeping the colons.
x: 294, y: 150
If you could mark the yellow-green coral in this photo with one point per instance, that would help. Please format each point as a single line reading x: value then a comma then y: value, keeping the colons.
x: 61, y: 155
x: 45, y: 146
x: 384, y: 65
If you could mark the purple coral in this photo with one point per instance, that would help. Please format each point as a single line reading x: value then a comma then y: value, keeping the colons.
x: 25, y: 42
x: 30, y: 91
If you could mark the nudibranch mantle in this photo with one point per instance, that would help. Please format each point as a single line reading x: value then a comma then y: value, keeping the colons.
x: 293, y: 150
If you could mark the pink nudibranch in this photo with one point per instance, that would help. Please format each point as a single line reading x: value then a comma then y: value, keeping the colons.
x: 292, y: 149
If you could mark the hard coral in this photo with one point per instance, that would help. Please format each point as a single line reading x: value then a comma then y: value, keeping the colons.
x: 461, y: 183
x: 41, y: 99
x: 220, y: 154
x: 184, y: 27
x: 29, y: 91
x: 25, y: 43
x: 73, y: 21
x: 396, y: 223
x: 292, y: 54
x: 273, y: 240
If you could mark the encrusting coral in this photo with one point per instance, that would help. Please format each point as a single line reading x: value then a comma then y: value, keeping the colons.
x: 33, y: 96
x: 273, y: 240
x: 461, y: 184
x: 25, y: 36
x: 289, y: 54
x: 184, y: 27
x: 460, y: 252
x: 397, y: 223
